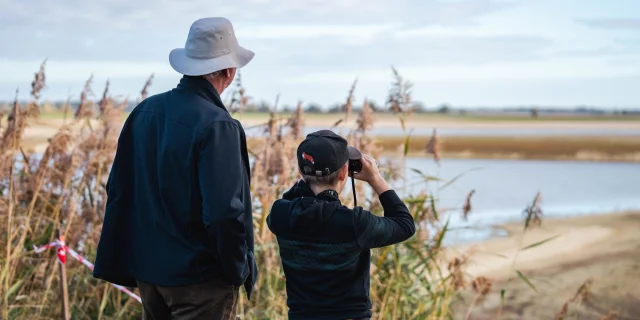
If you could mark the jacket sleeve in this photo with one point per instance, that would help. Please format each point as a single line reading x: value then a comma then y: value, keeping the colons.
x: 396, y: 226
x: 220, y: 174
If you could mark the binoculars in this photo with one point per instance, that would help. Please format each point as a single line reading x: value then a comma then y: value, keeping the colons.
x: 355, y: 160
x: 355, y: 165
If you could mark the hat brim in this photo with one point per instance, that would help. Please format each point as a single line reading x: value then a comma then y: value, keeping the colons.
x: 186, y: 65
x: 354, y: 154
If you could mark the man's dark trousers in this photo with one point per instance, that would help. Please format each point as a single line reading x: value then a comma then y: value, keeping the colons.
x: 211, y: 300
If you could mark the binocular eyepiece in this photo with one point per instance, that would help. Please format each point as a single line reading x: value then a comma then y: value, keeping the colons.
x: 355, y: 165
x: 355, y: 160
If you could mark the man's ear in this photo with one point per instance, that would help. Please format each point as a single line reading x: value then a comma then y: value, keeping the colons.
x: 227, y: 72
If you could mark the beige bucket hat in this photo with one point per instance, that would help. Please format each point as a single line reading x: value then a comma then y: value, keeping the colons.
x: 211, y: 46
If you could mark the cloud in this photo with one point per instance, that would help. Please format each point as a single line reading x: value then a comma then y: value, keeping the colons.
x: 165, y: 15
x: 319, y: 44
x: 13, y: 71
x: 613, y: 23
x: 284, y: 32
x: 432, y: 50
x: 447, y: 31
x: 146, y: 30
x: 613, y: 49
x: 558, y: 68
x: 461, y: 12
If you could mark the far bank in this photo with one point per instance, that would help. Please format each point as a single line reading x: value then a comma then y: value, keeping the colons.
x: 597, y: 139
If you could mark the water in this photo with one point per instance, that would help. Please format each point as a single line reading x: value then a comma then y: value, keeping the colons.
x: 427, y: 131
x: 505, y: 187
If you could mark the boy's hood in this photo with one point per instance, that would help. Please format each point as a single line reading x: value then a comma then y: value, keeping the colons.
x: 308, y: 212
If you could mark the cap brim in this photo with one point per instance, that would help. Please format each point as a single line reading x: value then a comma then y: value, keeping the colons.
x: 354, y: 154
x: 186, y: 65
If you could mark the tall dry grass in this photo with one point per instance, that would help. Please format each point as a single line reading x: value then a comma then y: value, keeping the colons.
x: 64, y: 188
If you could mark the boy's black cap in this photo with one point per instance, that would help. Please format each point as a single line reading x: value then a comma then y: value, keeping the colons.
x: 323, y: 153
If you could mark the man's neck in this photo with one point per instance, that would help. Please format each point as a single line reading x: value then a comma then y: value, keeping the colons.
x: 217, y: 84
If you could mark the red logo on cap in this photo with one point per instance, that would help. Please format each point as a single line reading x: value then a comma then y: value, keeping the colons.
x: 308, y: 158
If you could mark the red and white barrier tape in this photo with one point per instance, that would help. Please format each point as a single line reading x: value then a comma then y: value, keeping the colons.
x: 62, y: 249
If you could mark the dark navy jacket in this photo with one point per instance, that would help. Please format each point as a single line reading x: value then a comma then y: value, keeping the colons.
x: 178, y: 204
x: 325, y: 250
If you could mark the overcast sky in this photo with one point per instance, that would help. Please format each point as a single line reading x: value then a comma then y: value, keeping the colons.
x: 463, y: 52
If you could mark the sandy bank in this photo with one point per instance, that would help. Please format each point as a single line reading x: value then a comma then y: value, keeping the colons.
x: 605, y: 248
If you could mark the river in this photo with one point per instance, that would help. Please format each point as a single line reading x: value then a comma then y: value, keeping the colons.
x: 505, y: 187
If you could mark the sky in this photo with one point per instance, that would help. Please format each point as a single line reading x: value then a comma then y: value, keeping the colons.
x: 474, y: 53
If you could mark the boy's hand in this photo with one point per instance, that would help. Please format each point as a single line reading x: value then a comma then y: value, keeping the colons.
x: 371, y: 174
x: 369, y: 171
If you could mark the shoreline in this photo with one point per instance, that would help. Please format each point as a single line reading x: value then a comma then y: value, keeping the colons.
x: 604, y: 247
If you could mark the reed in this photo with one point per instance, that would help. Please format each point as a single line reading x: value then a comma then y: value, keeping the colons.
x: 64, y: 188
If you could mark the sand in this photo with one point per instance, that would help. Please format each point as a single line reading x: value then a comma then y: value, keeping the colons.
x: 605, y: 248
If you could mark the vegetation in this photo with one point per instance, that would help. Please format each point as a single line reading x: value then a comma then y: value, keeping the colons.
x: 64, y: 188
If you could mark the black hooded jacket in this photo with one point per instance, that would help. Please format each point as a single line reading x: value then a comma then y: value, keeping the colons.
x: 325, y: 250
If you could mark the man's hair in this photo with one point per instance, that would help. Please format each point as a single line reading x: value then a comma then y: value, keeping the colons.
x: 212, y: 74
x: 329, y: 180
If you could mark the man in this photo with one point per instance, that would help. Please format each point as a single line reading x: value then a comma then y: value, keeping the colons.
x: 325, y: 246
x: 178, y: 220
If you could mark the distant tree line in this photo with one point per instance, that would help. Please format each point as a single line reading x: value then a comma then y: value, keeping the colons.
x: 416, y: 107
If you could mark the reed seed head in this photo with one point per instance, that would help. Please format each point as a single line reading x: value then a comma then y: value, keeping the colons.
x: 38, y: 82
x: 455, y: 268
x: 366, y: 119
x: 84, y: 107
x: 399, y: 98
x: 584, y: 293
x: 533, y: 213
x: 482, y: 285
x: 563, y: 311
x: 349, y: 104
x: 145, y: 89
x: 466, y: 209
x: 434, y: 146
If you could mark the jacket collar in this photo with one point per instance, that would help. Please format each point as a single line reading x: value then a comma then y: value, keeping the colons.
x: 302, y: 189
x: 203, y: 88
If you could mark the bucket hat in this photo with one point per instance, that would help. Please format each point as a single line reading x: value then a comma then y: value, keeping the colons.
x: 211, y: 46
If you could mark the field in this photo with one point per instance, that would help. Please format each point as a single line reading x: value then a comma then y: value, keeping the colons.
x: 53, y: 173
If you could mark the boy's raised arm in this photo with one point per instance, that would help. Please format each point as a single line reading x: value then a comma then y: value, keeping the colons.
x: 396, y: 226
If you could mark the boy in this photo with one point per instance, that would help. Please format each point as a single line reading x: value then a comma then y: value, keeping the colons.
x: 325, y: 246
